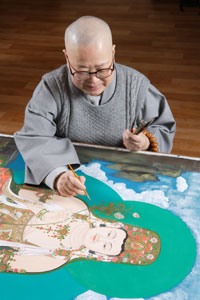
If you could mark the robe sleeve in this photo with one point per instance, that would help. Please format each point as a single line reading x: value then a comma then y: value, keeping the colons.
x: 163, y: 127
x: 41, y: 148
x: 50, y: 178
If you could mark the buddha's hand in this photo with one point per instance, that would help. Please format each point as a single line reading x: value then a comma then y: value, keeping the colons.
x: 68, y: 185
x: 135, y: 142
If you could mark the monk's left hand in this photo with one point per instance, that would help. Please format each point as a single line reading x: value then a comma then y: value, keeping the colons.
x: 135, y: 142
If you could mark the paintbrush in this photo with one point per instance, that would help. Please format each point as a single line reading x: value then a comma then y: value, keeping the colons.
x: 143, y: 125
x: 79, y: 180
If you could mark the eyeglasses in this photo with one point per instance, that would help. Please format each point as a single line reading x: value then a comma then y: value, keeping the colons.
x: 83, y: 75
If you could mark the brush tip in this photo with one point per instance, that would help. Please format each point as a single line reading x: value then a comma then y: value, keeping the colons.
x: 89, y: 198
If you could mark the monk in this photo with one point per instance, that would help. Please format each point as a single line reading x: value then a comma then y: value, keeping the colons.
x: 90, y: 99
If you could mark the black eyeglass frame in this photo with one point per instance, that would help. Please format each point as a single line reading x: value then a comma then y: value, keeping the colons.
x: 91, y: 73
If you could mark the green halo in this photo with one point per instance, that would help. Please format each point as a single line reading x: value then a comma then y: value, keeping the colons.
x: 176, y: 259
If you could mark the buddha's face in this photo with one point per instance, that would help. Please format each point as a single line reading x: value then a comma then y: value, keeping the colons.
x: 105, y: 240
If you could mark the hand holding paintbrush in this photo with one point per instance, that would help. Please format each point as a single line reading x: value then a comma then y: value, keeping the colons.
x: 68, y: 184
x: 78, y: 178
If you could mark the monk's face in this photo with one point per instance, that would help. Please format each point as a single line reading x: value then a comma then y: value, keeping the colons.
x: 105, y: 240
x: 91, y: 58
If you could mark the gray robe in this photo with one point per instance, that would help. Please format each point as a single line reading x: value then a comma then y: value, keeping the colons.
x: 59, y: 113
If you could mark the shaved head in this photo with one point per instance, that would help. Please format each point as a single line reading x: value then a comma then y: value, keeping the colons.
x: 87, y: 30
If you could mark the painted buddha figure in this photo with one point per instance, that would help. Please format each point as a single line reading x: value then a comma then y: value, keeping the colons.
x: 38, y: 237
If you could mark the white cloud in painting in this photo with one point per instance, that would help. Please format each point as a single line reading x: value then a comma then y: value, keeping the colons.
x: 181, y: 184
x: 156, y: 197
x: 126, y: 298
x: 178, y: 294
x: 90, y: 295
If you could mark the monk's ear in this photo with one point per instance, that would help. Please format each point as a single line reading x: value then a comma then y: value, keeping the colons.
x: 113, y: 52
x: 65, y: 54
x: 113, y: 49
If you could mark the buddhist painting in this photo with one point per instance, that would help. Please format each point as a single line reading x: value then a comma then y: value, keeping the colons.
x: 140, y: 231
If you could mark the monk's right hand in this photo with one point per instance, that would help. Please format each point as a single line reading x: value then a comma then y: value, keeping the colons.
x: 67, y: 184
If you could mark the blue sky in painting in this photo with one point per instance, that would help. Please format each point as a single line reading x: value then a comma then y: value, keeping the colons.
x: 181, y: 196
